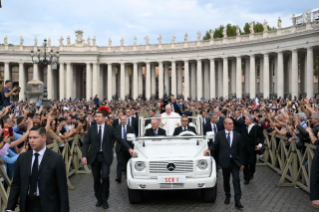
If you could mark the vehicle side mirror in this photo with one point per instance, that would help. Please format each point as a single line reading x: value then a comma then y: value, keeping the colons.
x: 210, y: 135
x: 130, y: 137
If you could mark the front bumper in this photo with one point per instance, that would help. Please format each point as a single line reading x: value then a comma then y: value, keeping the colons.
x: 190, y: 183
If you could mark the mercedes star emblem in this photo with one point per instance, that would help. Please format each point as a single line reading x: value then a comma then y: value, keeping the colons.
x: 170, y: 166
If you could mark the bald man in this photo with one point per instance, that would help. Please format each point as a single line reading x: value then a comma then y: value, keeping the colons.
x: 155, y: 130
x: 228, y: 145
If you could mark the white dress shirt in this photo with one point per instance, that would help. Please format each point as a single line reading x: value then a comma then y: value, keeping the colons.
x: 40, y: 157
x: 184, y: 128
x: 125, y: 126
x: 102, y: 133
x: 231, y: 138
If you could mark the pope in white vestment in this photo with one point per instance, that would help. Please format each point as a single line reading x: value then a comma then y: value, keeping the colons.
x: 171, y: 123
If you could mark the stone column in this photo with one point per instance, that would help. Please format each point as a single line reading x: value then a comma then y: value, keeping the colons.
x: 7, y: 75
x: 246, y: 76
x: 160, y: 80
x: 266, y: 75
x: 225, y: 78
x: 173, y: 71
x: 271, y: 74
x: 95, y: 81
x: 22, y: 81
x: 206, y: 80
x: 166, y: 84
x: 140, y: 79
x: 252, y: 77
x: 290, y: 75
x: 50, y: 82
x: 212, y: 80
x: 294, y: 74
x: 61, y: 81
x: 302, y: 74
x: 233, y: 76
x: 261, y: 75
x: 127, y: 79
x: 122, y: 81
x: 193, y: 80
x: 36, y: 71
x: 238, y: 77
x: 88, y: 81
x: 148, y: 81
x: 199, y: 80
x: 280, y: 78
x: 276, y: 74
x: 153, y: 79
x: 69, y: 83
x: 114, y: 68
x: 135, y: 80
x: 109, y: 81
x: 220, y: 78
x: 179, y: 79
x: 310, y: 78
x: 186, y: 80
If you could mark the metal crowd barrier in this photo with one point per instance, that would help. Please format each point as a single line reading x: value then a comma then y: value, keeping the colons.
x: 72, y: 157
x: 289, y: 162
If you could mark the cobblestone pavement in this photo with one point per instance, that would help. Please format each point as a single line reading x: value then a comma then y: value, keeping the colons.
x: 260, y: 195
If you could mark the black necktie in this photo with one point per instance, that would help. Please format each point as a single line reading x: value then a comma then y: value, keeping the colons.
x: 99, y: 139
x: 34, y: 177
x: 215, y: 131
x: 155, y: 133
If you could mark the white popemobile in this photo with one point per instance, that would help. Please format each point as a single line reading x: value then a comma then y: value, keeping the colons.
x: 171, y: 163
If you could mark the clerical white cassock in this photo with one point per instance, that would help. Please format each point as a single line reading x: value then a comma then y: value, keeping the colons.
x: 170, y: 124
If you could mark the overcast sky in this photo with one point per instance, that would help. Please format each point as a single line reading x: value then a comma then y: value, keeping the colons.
x: 128, y: 18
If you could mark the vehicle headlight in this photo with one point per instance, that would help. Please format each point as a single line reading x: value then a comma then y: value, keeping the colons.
x: 202, y: 164
x: 139, y: 166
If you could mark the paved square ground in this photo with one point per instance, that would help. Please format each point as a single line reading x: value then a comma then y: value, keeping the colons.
x: 260, y: 195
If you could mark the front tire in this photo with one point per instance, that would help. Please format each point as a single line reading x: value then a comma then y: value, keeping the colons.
x: 135, y: 196
x: 209, y: 194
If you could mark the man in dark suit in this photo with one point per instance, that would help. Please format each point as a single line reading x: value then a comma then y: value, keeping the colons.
x: 174, y: 106
x: 203, y: 119
x: 39, y: 178
x: 117, y: 121
x: 239, y: 122
x: 131, y: 121
x: 184, y: 127
x: 220, y: 120
x: 155, y: 130
x: 101, y: 139
x: 152, y: 113
x: 250, y: 136
x: 228, y: 145
x: 122, y: 155
x: 212, y: 126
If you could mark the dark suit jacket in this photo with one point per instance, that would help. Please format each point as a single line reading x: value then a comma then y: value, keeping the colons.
x: 115, y: 123
x: 134, y: 124
x: 250, y: 140
x: 239, y: 125
x: 179, y: 129
x: 119, y: 129
x: 222, y: 148
x: 52, y: 182
x: 314, y: 176
x: 208, y: 127
x: 109, y: 136
x: 220, y: 123
x: 305, y: 134
x: 150, y: 132
x: 176, y: 108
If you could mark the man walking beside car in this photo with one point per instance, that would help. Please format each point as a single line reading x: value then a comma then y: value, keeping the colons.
x: 228, y: 146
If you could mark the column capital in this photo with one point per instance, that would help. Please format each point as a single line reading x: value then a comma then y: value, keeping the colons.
x: 225, y: 58
x: 186, y: 61
x: 280, y: 52
x: 212, y: 59
x: 309, y: 48
x: 294, y: 50
x: 21, y: 62
x: 266, y: 54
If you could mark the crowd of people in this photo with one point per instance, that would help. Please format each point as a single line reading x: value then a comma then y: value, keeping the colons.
x: 294, y: 119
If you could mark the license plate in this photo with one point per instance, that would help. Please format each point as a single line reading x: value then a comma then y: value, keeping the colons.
x: 171, y: 179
